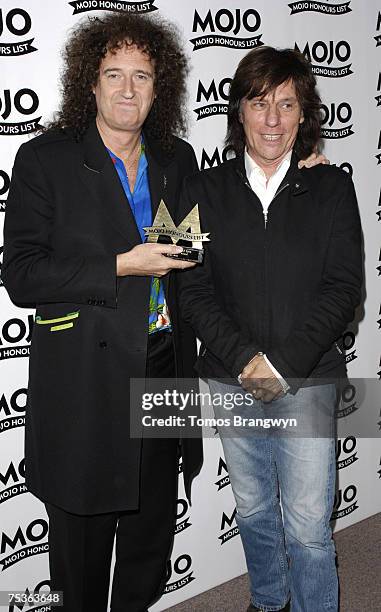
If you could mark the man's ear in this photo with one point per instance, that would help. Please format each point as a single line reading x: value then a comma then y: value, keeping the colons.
x: 301, y: 117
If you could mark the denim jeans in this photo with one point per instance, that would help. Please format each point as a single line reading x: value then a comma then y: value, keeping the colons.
x: 288, y: 546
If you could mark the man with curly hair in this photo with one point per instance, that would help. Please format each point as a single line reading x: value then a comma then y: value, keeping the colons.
x: 81, y: 194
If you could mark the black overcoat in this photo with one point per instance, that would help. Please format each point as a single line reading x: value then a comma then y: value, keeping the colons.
x: 67, y: 218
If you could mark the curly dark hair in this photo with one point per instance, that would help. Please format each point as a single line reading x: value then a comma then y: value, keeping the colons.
x: 259, y: 73
x: 87, y: 46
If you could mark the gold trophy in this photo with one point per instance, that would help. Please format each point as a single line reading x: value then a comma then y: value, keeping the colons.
x: 189, y: 230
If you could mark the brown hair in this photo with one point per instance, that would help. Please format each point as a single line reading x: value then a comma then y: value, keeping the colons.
x: 260, y: 72
x: 87, y: 46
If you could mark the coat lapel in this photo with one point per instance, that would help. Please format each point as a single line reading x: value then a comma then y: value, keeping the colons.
x: 159, y: 183
x: 158, y: 175
x: 101, y: 178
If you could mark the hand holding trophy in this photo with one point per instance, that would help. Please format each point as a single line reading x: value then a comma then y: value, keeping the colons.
x: 188, y: 230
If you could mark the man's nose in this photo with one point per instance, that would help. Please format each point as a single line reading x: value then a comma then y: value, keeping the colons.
x: 272, y: 116
x: 128, y: 87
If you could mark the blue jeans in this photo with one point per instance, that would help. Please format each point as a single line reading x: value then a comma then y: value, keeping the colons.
x: 289, y: 548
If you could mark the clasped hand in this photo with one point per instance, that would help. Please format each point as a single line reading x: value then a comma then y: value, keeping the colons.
x: 259, y: 379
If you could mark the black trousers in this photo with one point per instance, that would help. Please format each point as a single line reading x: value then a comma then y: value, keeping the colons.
x: 81, y: 546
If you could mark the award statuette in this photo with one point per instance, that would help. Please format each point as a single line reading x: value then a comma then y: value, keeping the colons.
x: 163, y: 225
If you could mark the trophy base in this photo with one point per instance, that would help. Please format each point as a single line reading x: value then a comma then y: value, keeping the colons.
x: 190, y: 254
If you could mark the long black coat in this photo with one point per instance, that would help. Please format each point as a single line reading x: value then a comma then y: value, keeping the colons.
x: 288, y: 288
x: 67, y: 218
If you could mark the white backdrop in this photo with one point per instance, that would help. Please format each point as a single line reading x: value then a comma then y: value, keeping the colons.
x: 341, y: 40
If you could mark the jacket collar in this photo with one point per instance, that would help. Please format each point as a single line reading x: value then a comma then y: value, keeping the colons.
x: 100, y: 176
x: 96, y: 155
x: 158, y: 171
x: 155, y: 151
x: 294, y: 176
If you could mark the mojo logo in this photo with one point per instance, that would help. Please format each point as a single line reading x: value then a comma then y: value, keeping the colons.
x: 348, y: 496
x: 181, y: 510
x: 83, y: 6
x: 41, y: 589
x: 1, y: 264
x: 321, y: 55
x: 320, y: 7
x: 226, y: 21
x: 378, y: 156
x: 30, y: 542
x: 348, y: 342
x: 345, y: 452
x: 377, y: 38
x: 232, y: 531
x: 182, y: 565
x: 25, y: 102
x: 215, y: 94
x: 216, y: 158
x: 16, y: 331
x: 5, y: 181
x: 11, y: 408
x: 378, y: 97
x: 16, y: 22
x: 336, y: 113
x: 347, y: 401
x: 222, y: 472
x: 12, y: 479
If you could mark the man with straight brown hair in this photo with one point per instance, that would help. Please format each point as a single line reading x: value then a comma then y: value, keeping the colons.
x: 280, y: 282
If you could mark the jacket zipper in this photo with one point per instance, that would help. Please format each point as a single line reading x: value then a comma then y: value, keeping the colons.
x: 266, y: 301
x: 265, y: 218
x: 265, y: 213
